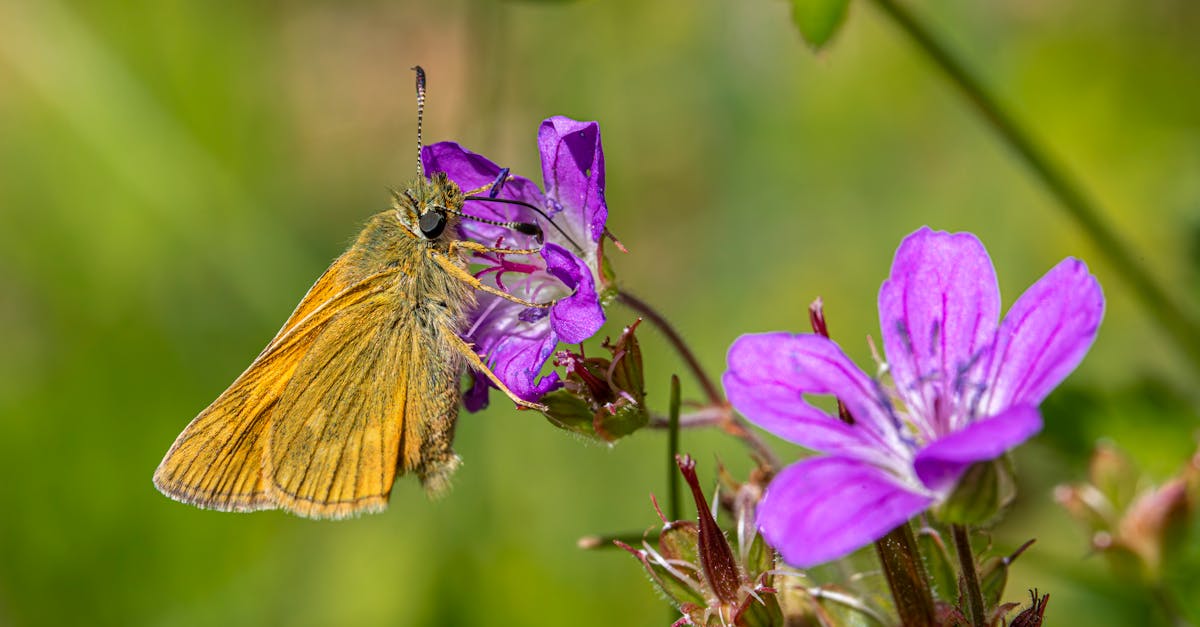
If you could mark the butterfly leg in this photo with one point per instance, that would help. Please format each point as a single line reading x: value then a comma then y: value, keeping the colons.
x: 466, y: 277
x: 492, y: 188
x: 476, y: 247
x: 475, y: 362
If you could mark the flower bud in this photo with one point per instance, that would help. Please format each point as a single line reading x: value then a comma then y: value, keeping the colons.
x: 695, y: 566
x: 603, y: 399
x: 1138, y: 527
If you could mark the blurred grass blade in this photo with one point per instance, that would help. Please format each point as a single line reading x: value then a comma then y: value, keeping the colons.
x: 143, y: 143
x: 673, y: 450
x: 1176, y: 319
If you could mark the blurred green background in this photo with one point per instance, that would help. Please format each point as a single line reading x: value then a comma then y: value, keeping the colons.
x: 174, y: 175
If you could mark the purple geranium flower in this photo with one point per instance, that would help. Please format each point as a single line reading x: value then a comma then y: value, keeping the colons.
x: 516, y: 341
x: 964, y: 391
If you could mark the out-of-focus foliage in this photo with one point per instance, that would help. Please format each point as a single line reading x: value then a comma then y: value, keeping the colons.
x: 818, y: 20
x: 174, y: 175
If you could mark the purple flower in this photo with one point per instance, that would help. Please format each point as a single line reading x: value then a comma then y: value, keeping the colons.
x: 516, y: 341
x: 964, y: 390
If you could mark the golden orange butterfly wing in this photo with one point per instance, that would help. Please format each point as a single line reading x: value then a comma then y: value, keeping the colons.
x: 217, y: 461
x: 376, y: 395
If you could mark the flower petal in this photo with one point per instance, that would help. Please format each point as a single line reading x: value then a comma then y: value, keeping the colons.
x: 472, y: 171
x: 824, y: 508
x: 781, y: 367
x: 578, y: 316
x: 1045, y: 335
x: 573, y: 167
x: 768, y: 398
x: 476, y: 396
x: 938, y: 313
x: 518, y: 360
x: 514, y: 347
x: 941, y: 463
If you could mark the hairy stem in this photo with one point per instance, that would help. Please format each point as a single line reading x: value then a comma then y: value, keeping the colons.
x: 1171, y: 316
x: 906, y: 577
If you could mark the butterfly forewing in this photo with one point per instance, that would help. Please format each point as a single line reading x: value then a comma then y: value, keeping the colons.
x: 356, y: 412
x: 335, y: 434
x: 217, y: 462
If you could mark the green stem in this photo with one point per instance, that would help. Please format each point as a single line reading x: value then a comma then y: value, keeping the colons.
x: 1171, y: 316
x: 673, y: 507
x: 906, y: 577
x: 970, y: 576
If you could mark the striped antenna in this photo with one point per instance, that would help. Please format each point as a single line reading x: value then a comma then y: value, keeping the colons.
x: 420, y: 114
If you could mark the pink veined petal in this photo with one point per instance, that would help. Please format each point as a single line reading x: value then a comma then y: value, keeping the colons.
x: 812, y: 364
x: 573, y: 167
x: 774, y: 404
x: 514, y: 347
x: 1045, y: 335
x: 518, y: 361
x: 940, y: 464
x: 517, y: 358
x: 578, y: 316
x: 938, y: 313
x: 824, y: 508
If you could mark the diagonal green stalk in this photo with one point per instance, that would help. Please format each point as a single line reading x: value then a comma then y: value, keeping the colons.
x: 1171, y: 315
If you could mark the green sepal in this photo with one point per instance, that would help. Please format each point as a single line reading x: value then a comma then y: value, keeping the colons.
x: 993, y: 579
x: 628, y: 375
x: 765, y: 614
x: 982, y: 492
x: 608, y: 282
x: 567, y: 411
x: 678, y: 543
x: 939, y: 563
x: 761, y: 557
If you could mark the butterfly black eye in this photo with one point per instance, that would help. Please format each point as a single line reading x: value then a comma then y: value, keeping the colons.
x: 432, y: 223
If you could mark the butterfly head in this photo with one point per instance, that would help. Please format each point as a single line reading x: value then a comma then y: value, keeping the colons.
x: 430, y: 208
